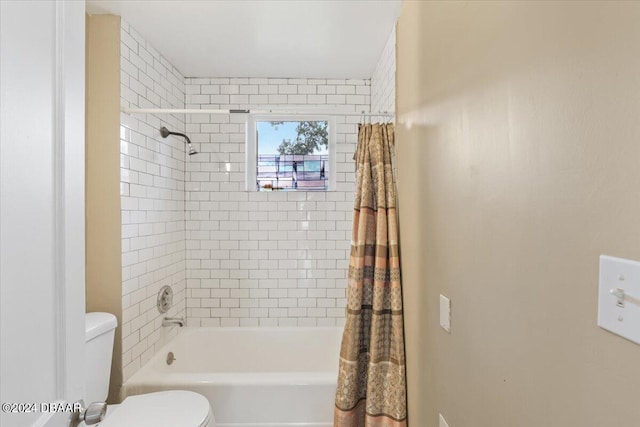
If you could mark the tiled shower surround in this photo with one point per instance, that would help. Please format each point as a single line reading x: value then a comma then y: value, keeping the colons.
x: 152, y: 198
x: 266, y: 258
x: 383, y: 80
x: 233, y: 257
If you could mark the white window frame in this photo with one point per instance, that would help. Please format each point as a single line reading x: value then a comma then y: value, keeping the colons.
x: 251, y: 150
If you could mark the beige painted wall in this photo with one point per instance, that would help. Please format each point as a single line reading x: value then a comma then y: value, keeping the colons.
x: 103, y: 238
x: 519, y: 164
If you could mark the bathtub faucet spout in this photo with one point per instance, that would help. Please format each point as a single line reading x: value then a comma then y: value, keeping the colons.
x: 172, y: 321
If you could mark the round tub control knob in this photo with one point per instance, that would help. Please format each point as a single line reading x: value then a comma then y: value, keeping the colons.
x: 95, y: 413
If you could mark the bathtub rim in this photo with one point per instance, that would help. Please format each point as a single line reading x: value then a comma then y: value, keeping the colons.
x: 148, y: 374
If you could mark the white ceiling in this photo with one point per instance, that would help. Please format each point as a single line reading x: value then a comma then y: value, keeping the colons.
x: 262, y: 38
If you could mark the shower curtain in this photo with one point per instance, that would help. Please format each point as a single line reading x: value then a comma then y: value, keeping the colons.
x: 371, y: 381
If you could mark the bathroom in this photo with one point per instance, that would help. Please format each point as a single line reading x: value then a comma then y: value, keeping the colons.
x: 516, y: 129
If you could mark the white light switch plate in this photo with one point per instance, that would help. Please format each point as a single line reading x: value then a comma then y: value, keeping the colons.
x: 619, y: 297
x: 441, y: 421
x: 445, y: 313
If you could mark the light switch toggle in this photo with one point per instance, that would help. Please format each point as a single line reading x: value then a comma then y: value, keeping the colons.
x: 623, y: 297
x: 618, y: 293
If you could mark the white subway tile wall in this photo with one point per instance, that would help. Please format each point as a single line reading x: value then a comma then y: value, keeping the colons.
x: 266, y: 258
x: 232, y: 257
x: 383, y: 81
x: 152, y: 196
x: 383, y: 84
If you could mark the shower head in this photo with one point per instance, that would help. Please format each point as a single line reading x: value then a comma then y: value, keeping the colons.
x: 166, y: 132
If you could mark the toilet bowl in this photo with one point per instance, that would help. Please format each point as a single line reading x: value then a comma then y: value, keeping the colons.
x: 174, y: 408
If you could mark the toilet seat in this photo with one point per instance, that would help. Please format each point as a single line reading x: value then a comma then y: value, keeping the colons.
x: 174, y: 408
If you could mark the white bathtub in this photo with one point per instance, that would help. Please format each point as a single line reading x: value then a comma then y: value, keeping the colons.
x: 253, y: 377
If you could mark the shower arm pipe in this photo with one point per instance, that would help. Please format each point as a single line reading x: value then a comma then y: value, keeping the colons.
x: 188, y: 141
x: 241, y: 111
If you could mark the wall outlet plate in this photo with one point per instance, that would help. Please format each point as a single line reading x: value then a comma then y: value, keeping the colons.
x: 445, y: 313
x: 619, y: 297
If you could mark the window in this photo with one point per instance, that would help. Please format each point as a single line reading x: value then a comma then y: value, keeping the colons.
x: 290, y: 153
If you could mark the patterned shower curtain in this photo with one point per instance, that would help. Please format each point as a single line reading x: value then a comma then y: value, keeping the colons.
x: 371, y: 382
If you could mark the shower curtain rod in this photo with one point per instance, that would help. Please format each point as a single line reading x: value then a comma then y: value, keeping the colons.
x: 243, y: 111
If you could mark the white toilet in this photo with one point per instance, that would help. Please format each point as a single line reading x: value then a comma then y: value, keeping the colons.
x: 162, y: 409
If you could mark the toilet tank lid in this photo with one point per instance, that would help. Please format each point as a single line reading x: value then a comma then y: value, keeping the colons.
x: 99, y: 323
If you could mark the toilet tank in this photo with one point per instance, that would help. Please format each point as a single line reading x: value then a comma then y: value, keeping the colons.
x: 100, y: 330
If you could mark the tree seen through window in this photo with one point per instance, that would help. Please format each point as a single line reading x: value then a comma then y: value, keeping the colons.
x: 292, y: 155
